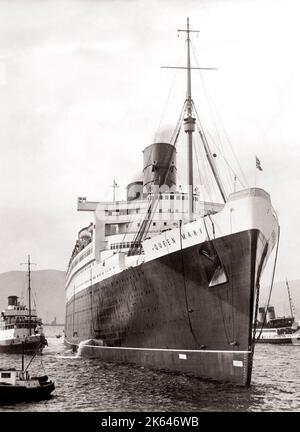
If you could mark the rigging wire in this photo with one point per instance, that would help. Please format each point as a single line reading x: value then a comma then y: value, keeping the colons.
x: 209, y: 157
x: 178, y: 124
x: 154, y: 201
x: 212, y: 105
x: 142, y: 219
x: 25, y: 287
x: 219, y: 299
x: 206, y: 94
x: 198, y: 167
x: 168, y: 97
x: 209, y: 187
x: 34, y: 355
x: 204, y: 135
x: 271, y: 288
x: 205, y: 180
x: 229, y: 167
x: 188, y: 310
x: 144, y: 227
x: 131, y: 219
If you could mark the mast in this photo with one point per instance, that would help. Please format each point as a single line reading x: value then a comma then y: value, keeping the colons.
x: 289, y: 296
x: 189, y: 126
x: 29, y: 264
x: 29, y: 295
x: 22, y: 356
x: 114, y: 186
x: 73, y: 311
x: 190, y: 120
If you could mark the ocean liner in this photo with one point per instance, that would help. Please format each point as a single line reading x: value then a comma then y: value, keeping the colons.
x: 167, y: 279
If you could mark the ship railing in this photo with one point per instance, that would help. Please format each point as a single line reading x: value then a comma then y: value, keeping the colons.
x: 77, y: 260
x: 7, y: 327
x: 22, y: 319
x: 19, y: 326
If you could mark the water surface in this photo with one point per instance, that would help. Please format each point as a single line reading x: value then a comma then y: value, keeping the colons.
x: 89, y: 385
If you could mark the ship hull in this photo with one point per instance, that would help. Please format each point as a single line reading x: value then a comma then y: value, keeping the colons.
x: 271, y: 336
x: 296, y: 339
x: 15, y: 346
x: 230, y: 366
x: 167, y: 314
x: 18, y: 393
x: 279, y: 341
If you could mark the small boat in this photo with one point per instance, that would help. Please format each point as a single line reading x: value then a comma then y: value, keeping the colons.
x: 19, y: 386
x: 58, y: 336
x: 278, y: 330
x: 276, y: 335
x: 19, y: 324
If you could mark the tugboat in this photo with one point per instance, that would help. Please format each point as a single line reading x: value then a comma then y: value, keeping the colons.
x: 278, y: 330
x: 20, y: 324
x: 18, y: 386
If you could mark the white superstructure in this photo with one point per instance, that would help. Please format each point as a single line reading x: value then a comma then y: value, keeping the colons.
x: 102, y: 248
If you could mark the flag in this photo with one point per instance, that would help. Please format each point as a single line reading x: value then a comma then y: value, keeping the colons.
x: 258, y: 165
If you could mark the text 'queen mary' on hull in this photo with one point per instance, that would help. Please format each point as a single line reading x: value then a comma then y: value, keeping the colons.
x: 169, y: 281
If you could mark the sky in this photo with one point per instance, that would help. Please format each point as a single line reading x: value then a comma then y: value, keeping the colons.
x: 82, y: 93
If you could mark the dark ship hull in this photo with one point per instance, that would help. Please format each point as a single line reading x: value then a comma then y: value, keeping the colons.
x: 277, y: 341
x: 18, y: 393
x: 163, y: 314
x: 16, y: 346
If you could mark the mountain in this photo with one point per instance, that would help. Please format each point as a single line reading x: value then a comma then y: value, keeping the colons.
x: 47, y: 291
x: 279, y: 297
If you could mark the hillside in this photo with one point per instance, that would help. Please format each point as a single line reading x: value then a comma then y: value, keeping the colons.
x: 47, y: 287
